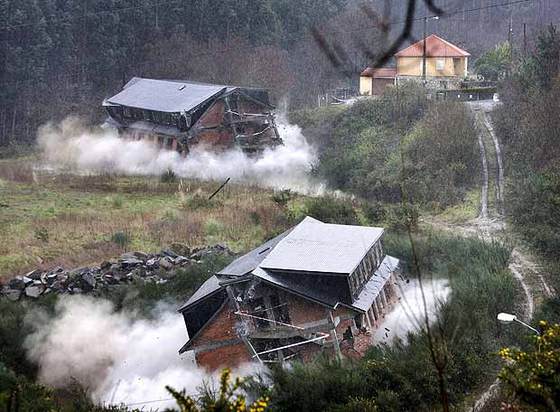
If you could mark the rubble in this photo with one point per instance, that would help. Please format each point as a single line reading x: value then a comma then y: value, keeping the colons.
x: 129, y: 267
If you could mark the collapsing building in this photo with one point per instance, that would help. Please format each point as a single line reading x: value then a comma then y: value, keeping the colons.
x: 180, y: 114
x: 316, y: 288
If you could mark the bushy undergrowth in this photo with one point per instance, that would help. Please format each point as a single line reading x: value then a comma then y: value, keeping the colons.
x: 378, y: 147
x: 528, y: 125
x: 394, y: 378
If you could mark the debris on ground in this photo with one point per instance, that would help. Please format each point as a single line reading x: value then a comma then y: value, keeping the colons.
x: 129, y: 267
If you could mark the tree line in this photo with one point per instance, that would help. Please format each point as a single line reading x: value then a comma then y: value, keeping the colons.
x: 61, y: 57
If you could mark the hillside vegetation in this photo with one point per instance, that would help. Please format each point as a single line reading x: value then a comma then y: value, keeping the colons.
x: 400, y: 146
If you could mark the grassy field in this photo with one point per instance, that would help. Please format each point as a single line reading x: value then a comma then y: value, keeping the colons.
x: 48, y: 220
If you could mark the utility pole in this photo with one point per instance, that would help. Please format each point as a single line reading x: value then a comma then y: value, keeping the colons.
x: 424, y: 52
x: 510, y: 42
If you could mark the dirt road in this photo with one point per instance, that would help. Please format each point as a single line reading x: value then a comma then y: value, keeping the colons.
x: 491, y: 224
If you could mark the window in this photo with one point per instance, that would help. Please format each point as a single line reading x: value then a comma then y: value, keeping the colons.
x: 440, y: 64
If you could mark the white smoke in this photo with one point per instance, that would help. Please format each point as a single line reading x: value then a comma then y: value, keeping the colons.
x: 118, y: 357
x: 72, y: 146
x: 408, y: 314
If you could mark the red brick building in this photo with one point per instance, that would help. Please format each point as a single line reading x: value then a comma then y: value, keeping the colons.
x: 180, y: 114
x: 317, y: 288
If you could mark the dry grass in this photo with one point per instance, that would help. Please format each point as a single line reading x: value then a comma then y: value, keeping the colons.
x: 50, y: 220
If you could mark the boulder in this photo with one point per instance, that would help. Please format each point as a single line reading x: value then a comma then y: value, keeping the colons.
x: 52, y: 277
x: 180, y: 249
x: 58, y: 286
x: 34, y: 275
x: 17, y: 283
x: 34, y: 291
x: 166, y: 263
x: 111, y: 280
x: 88, y: 281
x: 11, y: 294
x: 169, y: 253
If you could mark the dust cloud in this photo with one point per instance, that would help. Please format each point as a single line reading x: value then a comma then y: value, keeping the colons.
x: 120, y: 358
x: 71, y: 146
x: 408, y: 314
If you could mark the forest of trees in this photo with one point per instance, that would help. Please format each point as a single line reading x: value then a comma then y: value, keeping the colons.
x: 61, y: 57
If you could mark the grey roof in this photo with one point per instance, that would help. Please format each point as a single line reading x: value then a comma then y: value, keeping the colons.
x: 375, y: 284
x: 165, y: 95
x: 251, y: 260
x: 208, y: 288
x: 314, y: 246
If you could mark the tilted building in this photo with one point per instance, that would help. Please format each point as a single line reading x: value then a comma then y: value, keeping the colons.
x: 316, y: 288
x: 180, y: 114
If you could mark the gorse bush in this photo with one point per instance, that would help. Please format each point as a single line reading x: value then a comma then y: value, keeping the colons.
x: 227, y: 398
x: 532, y: 376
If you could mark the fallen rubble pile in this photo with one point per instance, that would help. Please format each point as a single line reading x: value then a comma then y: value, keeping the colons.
x: 129, y: 267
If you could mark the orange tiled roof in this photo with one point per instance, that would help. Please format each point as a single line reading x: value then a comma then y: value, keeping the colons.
x: 435, y: 47
x: 381, y: 73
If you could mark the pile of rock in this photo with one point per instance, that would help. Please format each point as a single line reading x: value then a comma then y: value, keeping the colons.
x: 131, y: 266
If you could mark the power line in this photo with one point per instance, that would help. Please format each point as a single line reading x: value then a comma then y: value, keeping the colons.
x: 445, y: 15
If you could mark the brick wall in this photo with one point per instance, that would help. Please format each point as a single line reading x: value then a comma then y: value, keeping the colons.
x: 214, y: 116
x: 304, y: 311
x: 221, y: 329
x: 227, y: 356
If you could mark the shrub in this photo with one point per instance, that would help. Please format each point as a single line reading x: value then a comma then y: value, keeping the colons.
x: 121, y: 239
x: 18, y: 393
x: 200, y: 201
x: 169, y: 176
x: 282, y: 197
x: 42, y: 234
x: 441, y: 156
x: 226, y: 398
x: 213, y: 227
x: 117, y: 202
x: 332, y: 210
x: 532, y: 375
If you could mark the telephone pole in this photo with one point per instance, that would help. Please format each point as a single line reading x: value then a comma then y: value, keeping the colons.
x: 424, y: 53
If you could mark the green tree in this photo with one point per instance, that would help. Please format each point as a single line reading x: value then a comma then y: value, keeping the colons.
x: 494, y: 64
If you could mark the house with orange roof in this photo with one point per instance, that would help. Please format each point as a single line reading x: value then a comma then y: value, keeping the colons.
x: 446, y: 64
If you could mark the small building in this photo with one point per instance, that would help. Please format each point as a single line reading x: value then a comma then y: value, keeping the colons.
x: 374, y: 81
x: 316, y: 288
x: 446, y: 66
x: 179, y: 114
